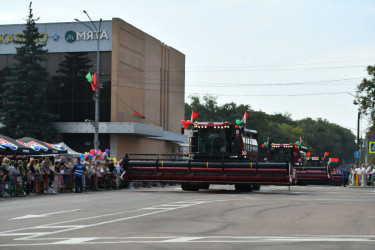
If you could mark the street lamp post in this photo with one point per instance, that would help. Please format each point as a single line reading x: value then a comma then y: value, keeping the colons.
x: 96, y: 95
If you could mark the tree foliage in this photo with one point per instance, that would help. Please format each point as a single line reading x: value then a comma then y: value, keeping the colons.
x: 318, y: 135
x: 23, y: 109
x: 366, y: 96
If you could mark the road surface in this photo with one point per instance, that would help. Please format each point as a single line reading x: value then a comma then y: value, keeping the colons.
x: 309, y: 217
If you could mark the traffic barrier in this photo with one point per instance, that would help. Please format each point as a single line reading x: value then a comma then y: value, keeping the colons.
x: 36, y: 184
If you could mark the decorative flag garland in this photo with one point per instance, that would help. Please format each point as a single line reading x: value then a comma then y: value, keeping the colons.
x: 138, y: 115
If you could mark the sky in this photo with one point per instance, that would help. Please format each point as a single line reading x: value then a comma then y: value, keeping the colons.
x: 298, y: 57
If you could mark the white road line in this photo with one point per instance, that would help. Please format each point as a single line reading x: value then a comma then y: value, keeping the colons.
x: 199, y: 239
x: 42, y: 215
x: 73, y: 241
x: 66, y: 228
x: 183, y: 239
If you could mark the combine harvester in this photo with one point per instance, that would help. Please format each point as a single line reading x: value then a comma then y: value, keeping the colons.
x: 219, y: 153
x: 314, y: 171
x: 309, y: 170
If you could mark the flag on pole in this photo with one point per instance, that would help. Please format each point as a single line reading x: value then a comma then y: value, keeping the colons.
x: 139, y: 115
x: 89, y: 77
x: 94, y: 84
x: 193, y: 116
x: 245, y: 116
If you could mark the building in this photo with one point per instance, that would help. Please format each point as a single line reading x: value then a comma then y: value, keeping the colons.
x: 138, y: 73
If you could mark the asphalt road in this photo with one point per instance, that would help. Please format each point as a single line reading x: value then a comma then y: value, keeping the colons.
x: 309, y: 217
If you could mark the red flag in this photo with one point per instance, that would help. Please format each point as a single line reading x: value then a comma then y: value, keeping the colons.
x: 94, y: 84
x: 139, y: 115
x: 193, y: 116
x: 245, y: 116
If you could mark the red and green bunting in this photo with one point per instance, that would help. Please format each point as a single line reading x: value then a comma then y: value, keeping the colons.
x: 92, y: 80
x: 136, y: 114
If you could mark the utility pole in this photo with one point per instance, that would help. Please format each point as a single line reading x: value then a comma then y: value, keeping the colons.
x: 96, y: 33
x: 359, y: 117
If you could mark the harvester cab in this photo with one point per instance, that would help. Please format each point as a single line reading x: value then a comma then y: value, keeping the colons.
x: 222, y: 140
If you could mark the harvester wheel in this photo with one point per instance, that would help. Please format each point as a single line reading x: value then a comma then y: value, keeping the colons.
x: 189, y: 187
x: 204, y: 186
x: 243, y: 187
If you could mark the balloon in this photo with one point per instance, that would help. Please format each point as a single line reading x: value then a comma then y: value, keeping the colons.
x: 92, y: 151
x: 114, y: 159
x: 237, y: 126
x: 188, y: 122
x: 107, y: 151
x: 238, y: 122
x: 82, y: 156
x: 185, y: 126
x: 182, y: 121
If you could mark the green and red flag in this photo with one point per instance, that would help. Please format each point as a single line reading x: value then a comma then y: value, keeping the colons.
x: 92, y: 80
x: 139, y: 115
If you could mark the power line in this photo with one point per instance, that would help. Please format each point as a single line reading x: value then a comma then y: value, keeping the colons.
x: 286, y: 95
x: 183, y: 92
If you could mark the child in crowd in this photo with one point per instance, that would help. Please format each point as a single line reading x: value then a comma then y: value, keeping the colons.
x: 61, y: 179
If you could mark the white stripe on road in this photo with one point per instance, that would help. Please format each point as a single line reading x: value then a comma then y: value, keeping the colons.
x: 42, y: 215
x: 159, y: 209
x: 199, y: 239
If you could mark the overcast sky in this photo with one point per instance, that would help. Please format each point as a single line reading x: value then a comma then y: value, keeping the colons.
x: 278, y: 56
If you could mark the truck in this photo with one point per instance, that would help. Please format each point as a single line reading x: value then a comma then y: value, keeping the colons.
x: 219, y: 153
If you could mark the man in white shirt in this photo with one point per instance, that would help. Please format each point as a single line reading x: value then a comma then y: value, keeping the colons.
x: 358, y: 172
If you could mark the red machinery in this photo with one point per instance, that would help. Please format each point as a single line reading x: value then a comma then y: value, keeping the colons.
x: 220, y: 153
x: 314, y: 171
x: 309, y: 170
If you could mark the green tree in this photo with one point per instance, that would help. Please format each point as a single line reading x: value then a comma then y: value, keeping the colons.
x: 24, y: 100
x: 318, y: 135
x: 366, y: 96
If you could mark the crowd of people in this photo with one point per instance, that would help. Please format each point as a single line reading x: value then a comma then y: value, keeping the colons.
x: 44, y: 175
x: 359, y: 175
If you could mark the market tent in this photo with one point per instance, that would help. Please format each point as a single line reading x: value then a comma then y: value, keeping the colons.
x: 41, y: 147
x: 9, y: 146
x: 70, y: 151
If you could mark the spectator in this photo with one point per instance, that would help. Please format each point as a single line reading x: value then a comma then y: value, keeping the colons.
x: 61, y: 186
x: 119, y: 174
x: 358, y: 171
x: 363, y: 175
x: 78, y: 173
x: 29, y: 182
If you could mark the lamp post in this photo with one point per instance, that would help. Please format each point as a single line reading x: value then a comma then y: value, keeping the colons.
x: 97, y: 33
x: 358, y: 120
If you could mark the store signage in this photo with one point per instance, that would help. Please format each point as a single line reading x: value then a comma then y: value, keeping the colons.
x: 14, y: 38
x: 71, y: 36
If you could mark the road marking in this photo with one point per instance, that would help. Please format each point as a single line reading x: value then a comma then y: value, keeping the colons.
x: 198, y: 239
x: 42, y: 215
x: 73, y: 241
x: 59, y: 225
x: 183, y: 239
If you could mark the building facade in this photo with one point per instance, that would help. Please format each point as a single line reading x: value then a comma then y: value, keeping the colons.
x: 138, y: 73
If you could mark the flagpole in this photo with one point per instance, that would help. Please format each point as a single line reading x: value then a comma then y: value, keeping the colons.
x: 97, y: 91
